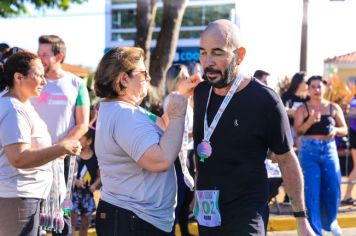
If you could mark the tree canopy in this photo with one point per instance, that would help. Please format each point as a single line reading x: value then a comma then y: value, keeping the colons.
x: 16, y: 7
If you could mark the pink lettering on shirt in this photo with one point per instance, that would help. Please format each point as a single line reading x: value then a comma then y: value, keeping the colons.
x: 44, y: 97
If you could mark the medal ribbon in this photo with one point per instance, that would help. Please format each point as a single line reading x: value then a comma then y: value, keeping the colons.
x: 208, y: 131
x: 67, y: 204
x: 183, y: 156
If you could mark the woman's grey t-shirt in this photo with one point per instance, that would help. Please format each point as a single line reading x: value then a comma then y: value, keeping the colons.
x: 20, y: 123
x: 123, y: 134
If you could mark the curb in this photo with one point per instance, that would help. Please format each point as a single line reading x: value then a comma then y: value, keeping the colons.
x: 284, y: 223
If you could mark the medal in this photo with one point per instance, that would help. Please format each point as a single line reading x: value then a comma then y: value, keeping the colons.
x: 67, y: 206
x: 204, y: 150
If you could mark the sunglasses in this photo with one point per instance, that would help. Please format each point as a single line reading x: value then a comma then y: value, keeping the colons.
x: 147, y: 76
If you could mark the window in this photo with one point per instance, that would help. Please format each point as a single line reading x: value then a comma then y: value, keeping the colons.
x: 123, y: 18
x: 194, y: 20
x: 123, y: 1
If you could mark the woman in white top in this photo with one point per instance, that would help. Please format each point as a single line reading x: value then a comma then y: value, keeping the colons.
x: 135, y: 155
x: 25, y: 146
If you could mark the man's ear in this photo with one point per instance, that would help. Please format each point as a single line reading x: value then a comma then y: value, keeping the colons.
x: 60, y: 57
x: 241, y: 52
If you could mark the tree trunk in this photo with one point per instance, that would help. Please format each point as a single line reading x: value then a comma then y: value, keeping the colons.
x: 166, y: 46
x: 145, y: 20
x: 304, y: 38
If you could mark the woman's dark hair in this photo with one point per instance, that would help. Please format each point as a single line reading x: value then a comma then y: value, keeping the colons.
x: 91, y: 135
x: 297, y: 79
x: 316, y: 77
x: 118, y: 59
x: 19, y: 62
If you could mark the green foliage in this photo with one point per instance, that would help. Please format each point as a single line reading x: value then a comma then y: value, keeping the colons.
x: 16, y: 7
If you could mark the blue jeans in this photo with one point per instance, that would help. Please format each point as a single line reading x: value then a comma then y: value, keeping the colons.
x: 322, y: 179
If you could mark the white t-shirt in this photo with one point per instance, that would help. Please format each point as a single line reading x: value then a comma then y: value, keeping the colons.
x: 56, y: 106
x: 123, y: 133
x: 19, y: 123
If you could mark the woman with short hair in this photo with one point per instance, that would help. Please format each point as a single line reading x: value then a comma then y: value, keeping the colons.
x: 135, y: 155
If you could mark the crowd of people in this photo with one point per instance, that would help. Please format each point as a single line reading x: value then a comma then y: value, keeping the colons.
x: 205, y: 154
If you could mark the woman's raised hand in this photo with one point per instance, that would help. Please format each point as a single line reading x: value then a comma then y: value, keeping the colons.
x: 190, y: 83
x: 177, y: 105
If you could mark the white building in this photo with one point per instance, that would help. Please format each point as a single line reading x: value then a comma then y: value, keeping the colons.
x: 121, y: 24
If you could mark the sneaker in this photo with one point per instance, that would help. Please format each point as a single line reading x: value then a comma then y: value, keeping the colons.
x: 335, y: 229
x: 350, y: 201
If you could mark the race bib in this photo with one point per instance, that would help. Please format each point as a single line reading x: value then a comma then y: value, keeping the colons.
x: 206, y: 208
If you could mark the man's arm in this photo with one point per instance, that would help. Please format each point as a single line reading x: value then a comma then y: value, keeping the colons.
x: 81, y: 122
x: 82, y: 114
x: 292, y: 178
x: 294, y: 185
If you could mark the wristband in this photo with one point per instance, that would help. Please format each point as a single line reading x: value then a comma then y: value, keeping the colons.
x: 298, y: 214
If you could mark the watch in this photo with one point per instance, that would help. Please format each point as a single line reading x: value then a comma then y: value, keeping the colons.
x: 298, y: 214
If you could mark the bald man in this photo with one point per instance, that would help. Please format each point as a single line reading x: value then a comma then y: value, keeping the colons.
x: 236, y: 120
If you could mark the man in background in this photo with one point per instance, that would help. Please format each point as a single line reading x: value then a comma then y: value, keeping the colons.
x: 261, y: 76
x: 63, y: 103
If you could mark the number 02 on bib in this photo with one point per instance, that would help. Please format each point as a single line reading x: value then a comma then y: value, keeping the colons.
x: 206, y: 208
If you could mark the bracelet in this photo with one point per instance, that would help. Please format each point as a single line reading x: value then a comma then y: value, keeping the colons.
x: 298, y: 214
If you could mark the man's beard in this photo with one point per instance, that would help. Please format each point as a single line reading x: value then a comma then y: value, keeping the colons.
x: 225, y: 79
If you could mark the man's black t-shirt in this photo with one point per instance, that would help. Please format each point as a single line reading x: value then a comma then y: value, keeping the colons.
x: 254, y: 120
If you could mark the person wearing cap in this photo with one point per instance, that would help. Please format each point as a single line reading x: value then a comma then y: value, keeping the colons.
x: 262, y: 76
x: 318, y: 121
x: 236, y: 120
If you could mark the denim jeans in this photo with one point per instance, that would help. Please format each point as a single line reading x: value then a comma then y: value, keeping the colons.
x: 322, y: 178
x: 115, y: 221
x: 19, y: 216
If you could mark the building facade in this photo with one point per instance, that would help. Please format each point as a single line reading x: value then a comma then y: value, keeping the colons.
x: 121, y: 24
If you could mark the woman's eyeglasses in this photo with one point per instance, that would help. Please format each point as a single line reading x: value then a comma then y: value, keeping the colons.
x: 147, y: 76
